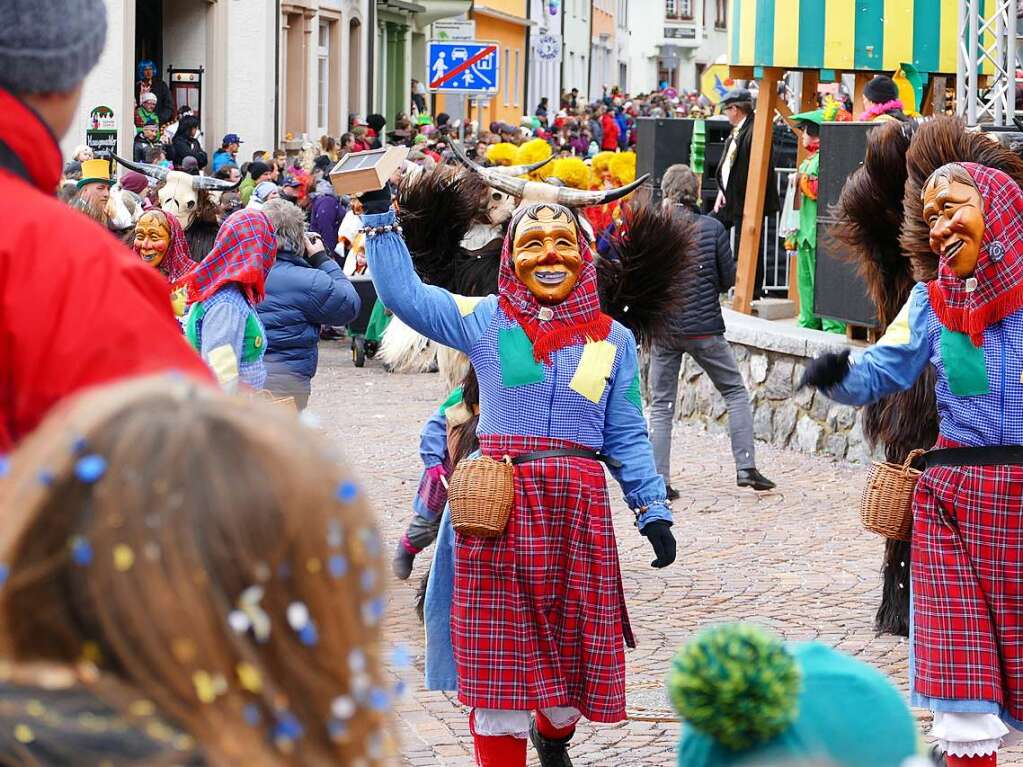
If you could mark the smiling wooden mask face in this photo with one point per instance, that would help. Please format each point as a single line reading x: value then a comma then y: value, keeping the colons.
x: 546, y: 253
x: 152, y: 239
x: 954, y: 212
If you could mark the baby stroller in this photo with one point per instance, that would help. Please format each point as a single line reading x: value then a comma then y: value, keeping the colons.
x: 363, y: 345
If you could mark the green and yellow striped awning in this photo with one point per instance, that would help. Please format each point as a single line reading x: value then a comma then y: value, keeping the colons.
x: 846, y: 35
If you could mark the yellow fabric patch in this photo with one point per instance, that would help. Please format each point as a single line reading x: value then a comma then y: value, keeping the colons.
x: 466, y: 304
x: 898, y: 333
x: 224, y: 363
x: 178, y: 300
x: 594, y: 369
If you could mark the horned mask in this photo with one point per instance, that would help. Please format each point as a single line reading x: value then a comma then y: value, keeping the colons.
x: 179, y: 196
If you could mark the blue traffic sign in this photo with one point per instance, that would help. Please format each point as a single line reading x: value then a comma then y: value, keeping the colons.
x: 466, y: 66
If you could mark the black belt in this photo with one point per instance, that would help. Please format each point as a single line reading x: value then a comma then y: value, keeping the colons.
x: 993, y: 455
x: 574, y: 452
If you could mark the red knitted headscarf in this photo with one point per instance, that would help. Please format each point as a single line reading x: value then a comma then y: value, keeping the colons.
x: 243, y: 253
x: 999, y: 272
x: 575, y: 320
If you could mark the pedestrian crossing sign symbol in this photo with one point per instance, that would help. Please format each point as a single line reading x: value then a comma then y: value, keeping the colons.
x: 462, y: 66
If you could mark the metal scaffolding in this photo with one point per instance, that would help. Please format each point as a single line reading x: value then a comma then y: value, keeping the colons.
x: 986, y: 75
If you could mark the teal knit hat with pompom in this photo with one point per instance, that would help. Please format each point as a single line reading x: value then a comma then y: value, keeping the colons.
x: 746, y: 697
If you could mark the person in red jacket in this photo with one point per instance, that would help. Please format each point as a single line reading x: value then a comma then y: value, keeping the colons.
x: 609, y: 142
x: 77, y: 308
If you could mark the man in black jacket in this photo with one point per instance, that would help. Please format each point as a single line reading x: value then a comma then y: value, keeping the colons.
x: 733, y: 170
x: 701, y: 333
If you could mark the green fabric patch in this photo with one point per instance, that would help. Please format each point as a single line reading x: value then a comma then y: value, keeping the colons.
x: 254, y: 341
x: 634, y: 394
x: 379, y: 319
x: 518, y: 368
x: 453, y: 399
x: 195, y: 316
x: 964, y: 364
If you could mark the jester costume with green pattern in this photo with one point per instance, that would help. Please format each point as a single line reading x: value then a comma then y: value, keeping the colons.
x: 538, y: 618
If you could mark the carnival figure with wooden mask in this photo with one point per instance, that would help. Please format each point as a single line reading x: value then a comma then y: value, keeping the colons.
x: 559, y: 394
x: 966, y: 324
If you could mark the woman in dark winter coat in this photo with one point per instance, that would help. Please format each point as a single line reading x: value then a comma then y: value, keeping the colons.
x: 701, y: 333
x: 305, y: 289
x: 186, y: 143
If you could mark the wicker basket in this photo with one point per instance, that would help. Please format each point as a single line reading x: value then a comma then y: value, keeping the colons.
x: 480, y: 494
x: 886, y: 506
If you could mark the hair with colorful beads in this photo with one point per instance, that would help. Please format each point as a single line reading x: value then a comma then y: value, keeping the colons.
x: 211, y: 553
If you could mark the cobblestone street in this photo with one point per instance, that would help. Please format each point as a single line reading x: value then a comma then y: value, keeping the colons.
x: 795, y: 560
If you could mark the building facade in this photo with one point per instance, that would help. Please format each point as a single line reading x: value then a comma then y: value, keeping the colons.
x: 239, y: 64
x: 673, y: 41
x: 507, y: 23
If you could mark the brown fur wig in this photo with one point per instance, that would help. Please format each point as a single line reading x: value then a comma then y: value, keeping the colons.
x: 435, y: 211
x: 642, y: 276
x: 936, y: 143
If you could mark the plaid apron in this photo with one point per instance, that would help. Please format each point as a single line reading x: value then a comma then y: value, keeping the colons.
x: 968, y: 584
x: 538, y: 616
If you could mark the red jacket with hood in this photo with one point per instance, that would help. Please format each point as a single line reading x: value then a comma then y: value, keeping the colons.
x: 77, y: 308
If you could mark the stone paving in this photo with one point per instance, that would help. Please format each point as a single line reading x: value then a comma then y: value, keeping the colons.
x: 795, y: 560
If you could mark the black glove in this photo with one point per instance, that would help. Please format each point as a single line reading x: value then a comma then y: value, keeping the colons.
x: 378, y: 201
x: 659, y: 534
x: 826, y: 371
x: 318, y: 259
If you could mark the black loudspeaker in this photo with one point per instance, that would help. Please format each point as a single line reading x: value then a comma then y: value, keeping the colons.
x: 839, y: 292
x: 661, y: 143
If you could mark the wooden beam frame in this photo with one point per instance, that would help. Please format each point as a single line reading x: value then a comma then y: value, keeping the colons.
x: 756, y: 189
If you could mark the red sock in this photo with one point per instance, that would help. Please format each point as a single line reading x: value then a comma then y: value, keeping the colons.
x: 408, y: 545
x: 987, y: 760
x: 549, y: 731
x: 497, y: 750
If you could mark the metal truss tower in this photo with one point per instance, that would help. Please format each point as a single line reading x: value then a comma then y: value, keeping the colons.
x: 987, y: 49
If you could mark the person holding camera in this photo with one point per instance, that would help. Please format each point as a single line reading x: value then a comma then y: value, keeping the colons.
x: 305, y: 289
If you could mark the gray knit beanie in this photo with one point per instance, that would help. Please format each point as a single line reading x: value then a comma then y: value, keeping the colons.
x: 49, y: 46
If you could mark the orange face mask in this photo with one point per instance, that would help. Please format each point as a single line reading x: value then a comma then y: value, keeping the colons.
x: 546, y: 255
x: 954, y: 212
x: 152, y: 239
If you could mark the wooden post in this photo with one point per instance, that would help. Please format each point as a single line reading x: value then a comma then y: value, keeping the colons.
x: 862, y: 78
x: 807, y: 101
x: 934, y: 97
x: 756, y: 190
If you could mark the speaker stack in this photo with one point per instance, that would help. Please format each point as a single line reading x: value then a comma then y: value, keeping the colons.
x: 839, y: 292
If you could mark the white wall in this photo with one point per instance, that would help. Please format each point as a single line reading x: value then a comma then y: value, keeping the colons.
x: 248, y: 102
x: 112, y: 82
x: 577, y: 45
x: 544, y: 76
x: 646, y: 24
x: 184, y: 34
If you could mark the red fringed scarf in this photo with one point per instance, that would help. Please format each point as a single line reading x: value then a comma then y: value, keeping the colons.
x: 999, y: 272
x: 576, y: 319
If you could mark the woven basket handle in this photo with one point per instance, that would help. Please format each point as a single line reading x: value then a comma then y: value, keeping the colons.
x: 907, y: 466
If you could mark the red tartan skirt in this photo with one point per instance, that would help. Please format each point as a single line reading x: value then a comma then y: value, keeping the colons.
x: 538, y: 614
x: 967, y: 578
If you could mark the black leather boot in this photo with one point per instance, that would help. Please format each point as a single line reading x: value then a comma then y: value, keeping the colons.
x: 753, y: 478
x: 552, y: 752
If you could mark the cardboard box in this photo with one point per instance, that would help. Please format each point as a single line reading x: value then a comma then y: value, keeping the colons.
x: 360, y: 172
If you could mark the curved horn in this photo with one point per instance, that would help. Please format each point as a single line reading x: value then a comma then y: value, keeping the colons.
x: 153, y: 171
x: 520, y: 170
x: 214, y: 184
x: 577, y: 198
x: 499, y: 181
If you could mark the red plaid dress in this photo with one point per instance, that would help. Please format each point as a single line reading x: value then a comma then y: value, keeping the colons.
x: 968, y: 584
x: 538, y: 616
